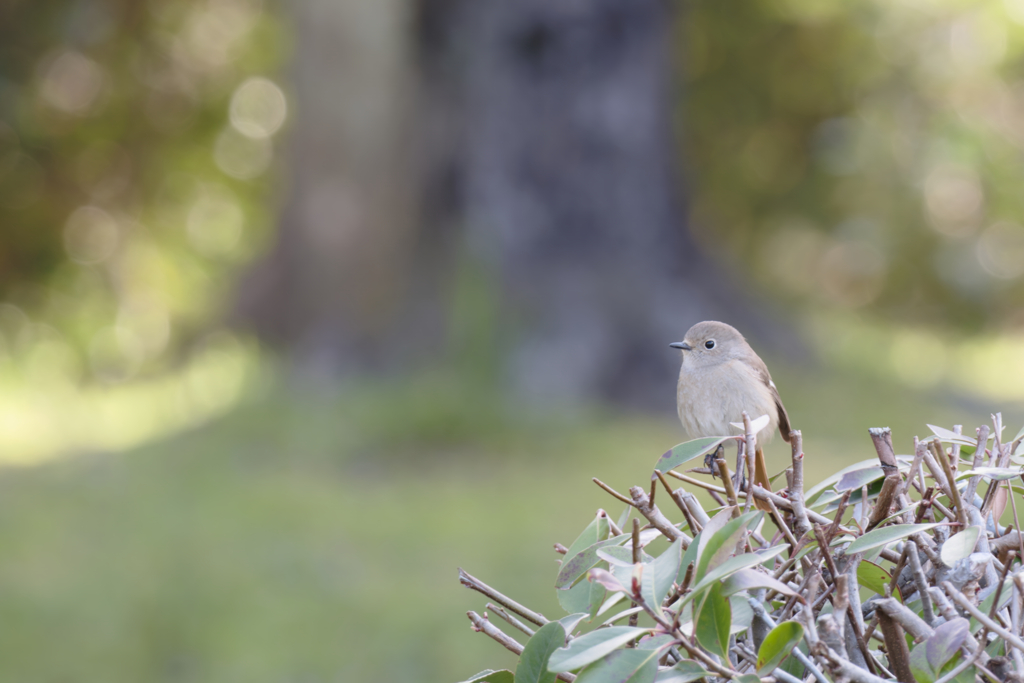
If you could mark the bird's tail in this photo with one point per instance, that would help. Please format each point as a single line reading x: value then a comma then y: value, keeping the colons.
x: 761, y: 478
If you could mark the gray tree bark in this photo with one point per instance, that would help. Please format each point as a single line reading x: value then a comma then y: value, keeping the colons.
x: 545, y: 155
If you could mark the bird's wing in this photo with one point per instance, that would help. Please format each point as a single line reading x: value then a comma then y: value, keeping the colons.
x: 784, y: 426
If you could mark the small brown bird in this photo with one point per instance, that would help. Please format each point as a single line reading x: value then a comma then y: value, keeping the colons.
x: 720, y: 377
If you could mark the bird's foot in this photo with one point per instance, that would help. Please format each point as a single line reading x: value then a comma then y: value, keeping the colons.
x: 710, y: 458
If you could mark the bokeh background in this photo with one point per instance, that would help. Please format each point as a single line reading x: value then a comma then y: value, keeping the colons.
x: 303, y: 305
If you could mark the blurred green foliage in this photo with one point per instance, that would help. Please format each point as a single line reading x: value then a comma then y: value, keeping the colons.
x: 134, y: 141
x: 862, y: 154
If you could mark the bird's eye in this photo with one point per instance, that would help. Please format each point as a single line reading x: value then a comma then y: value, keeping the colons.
x: 709, y: 344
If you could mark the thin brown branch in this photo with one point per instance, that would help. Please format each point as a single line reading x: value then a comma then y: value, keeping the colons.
x: 796, y: 490
x: 730, y: 491
x: 483, y: 625
x: 491, y: 607
x: 979, y: 460
x: 954, y: 492
x: 476, y: 584
x: 896, y: 648
x: 654, y: 516
x: 611, y: 491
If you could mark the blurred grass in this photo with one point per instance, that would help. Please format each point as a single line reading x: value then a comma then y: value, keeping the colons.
x: 317, y: 538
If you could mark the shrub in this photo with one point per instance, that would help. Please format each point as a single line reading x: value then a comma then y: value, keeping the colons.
x: 890, y: 569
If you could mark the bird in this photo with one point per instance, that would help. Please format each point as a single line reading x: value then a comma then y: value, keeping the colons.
x: 720, y: 377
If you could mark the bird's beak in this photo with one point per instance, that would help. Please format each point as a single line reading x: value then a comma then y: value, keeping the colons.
x: 681, y: 345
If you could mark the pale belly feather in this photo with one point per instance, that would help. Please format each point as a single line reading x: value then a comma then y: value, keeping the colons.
x: 709, y: 398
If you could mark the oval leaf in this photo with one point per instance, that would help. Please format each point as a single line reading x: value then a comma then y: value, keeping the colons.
x: 576, y: 564
x: 958, y: 546
x: 722, y: 544
x: 919, y: 665
x: 873, y: 577
x: 948, y: 638
x: 952, y: 437
x: 570, y: 622
x: 685, y: 671
x: 857, y: 478
x: 884, y: 536
x: 623, y: 666
x: 733, y: 565
x: 777, y: 645
x: 997, y: 473
x: 592, y: 646
x: 533, y: 662
x: 714, y: 622
x: 742, y: 615
x: 746, y: 579
x: 689, y: 450
x: 659, y: 575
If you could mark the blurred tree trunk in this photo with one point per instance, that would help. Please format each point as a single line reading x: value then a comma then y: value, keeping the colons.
x: 545, y: 158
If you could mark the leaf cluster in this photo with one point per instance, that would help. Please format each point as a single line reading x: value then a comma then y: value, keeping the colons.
x: 896, y: 568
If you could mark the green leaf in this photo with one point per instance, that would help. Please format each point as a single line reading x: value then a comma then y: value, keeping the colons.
x: 873, y: 577
x: 570, y: 622
x: 687, y: 451
x: 746, y: 579
x: 919, y: 665
x: 777, y: 645
x: 583, y: 597
x: 854, y: 480
x: 792, y: 665
x: 623, y: 666
x: 714, y: 621
x: 819, y: 488
x: 689, y: 557
x: 884, y: 536
x: 742, y: 615
x: 621, y: 556
x: 655, y: 642
x: 748, y: 678
x: 659, y: 575
x: 582, y: 554
x: 948, y: 638
x: 533, y: 662
x: 959, y: 546
x: 574, y: 568
x: 592, y: 646
x: 608, y: 580
x: 685, y: 671
x: 996, y: 473
x: 491, y: 676
x: 733, y: 565
x: 949, y: 436
x: 722, y: 544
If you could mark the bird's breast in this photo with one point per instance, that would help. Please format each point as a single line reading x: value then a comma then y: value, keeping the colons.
x: 709, y: 398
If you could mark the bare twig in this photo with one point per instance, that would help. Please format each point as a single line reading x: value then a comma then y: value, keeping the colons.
x: 612, y: 491
x: 491, y: 607
x: 954, y: 492
x: 476, y: 584
x: 920, y: 581
x: 960, y: 599
x: 896, y: 647
x: 730, y: 491
x: 654, y: 516
x: 483, y: 625
x: 979, y: 460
